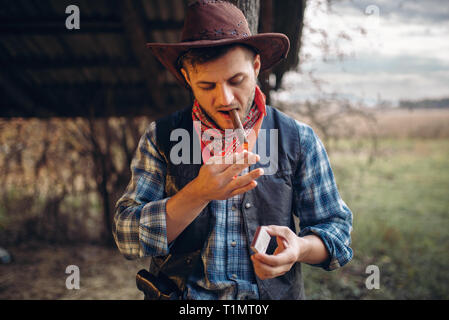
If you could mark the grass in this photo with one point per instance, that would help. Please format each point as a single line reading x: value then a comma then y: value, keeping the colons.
x: 401, y: 220
x: 29, y: 216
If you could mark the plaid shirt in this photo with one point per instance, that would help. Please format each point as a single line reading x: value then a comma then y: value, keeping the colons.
x: 226, y: 270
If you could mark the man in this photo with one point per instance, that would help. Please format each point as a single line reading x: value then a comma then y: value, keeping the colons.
x: 197, y: 218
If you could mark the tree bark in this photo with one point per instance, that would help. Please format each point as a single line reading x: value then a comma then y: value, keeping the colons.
x: 134, y: 28
x: 266, y: 25
x: 289, y: 19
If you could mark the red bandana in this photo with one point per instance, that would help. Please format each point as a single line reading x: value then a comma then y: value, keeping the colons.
x: 215, y: 138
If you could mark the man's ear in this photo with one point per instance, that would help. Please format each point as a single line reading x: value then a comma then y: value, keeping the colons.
x: 186, y: 76
x: 257, y: 64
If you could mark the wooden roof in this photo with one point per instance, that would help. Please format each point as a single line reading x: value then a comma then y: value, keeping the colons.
x: 102, y: 69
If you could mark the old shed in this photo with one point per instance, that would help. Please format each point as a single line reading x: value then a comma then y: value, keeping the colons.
x: 103, y: 68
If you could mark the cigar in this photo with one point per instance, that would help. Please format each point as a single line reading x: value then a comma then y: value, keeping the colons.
x: 239, y: 127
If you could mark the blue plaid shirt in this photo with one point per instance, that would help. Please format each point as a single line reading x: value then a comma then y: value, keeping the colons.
x: 226, y: 270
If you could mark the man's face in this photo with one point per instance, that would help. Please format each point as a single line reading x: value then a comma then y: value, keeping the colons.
x: 224, y: 84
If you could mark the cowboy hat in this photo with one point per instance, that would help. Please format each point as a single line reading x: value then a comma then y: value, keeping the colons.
x: 219, y: 23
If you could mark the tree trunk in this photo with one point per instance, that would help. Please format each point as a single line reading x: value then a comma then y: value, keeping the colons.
x: 250, y: 9
x: 266, y: 25
x: 289, y: 19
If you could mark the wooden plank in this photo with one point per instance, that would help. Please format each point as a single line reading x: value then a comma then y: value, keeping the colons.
x: 56, y: 25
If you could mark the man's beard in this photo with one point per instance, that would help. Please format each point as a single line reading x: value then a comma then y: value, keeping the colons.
x: 249, y: 104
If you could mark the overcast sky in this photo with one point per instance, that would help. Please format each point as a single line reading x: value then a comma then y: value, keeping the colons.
x: 404, y: 53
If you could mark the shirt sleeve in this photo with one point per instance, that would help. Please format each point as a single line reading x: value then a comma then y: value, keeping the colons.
x: 139, y: 226
x: 318, y: 204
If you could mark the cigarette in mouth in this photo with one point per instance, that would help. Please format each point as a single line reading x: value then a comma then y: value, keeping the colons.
x: 238, y: 126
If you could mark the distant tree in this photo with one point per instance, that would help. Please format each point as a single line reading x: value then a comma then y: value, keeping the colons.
x: 425, y: 104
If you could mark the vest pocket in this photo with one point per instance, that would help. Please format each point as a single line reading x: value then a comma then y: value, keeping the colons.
x: 273, y: 198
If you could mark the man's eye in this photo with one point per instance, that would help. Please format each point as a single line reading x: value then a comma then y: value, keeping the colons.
x: 237, y: 81
x: 206, y: 87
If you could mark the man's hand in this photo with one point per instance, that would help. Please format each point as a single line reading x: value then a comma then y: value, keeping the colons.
x: 218, y: 179
x: 286, y: 254
x: 291, y: 249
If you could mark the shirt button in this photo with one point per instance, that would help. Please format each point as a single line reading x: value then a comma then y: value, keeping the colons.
x: 233, y: 243
x: 234, y: 276
x: 248, y: 205
x: 234, y: 208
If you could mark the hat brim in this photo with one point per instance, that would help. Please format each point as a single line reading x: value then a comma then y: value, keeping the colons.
x: 272, y: 47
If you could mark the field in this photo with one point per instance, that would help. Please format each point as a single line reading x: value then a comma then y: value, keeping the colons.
x: 396, y: 186
x: 401, y: 220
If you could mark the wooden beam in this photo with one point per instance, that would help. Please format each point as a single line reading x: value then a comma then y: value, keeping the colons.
x: 135, y: 32
x: 128, y: 100
x: 76, y: 63
x: 16, y: 94
x: 125, y: 86
x: 56, y: 25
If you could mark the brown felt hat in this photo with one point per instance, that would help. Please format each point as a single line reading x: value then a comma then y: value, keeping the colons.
x: 218, y: 23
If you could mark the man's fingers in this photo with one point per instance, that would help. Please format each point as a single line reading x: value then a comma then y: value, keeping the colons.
x: 243, y: 159
x: 280, y: 259
x: 241, y: 164
x: 240, y: 158
x: 247, y: 178
x: 245, y: 183
x: 244, y: 189
x: 280, y: 231
x: 265, y: 271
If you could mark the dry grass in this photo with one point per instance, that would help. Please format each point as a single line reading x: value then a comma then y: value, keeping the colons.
x: 387, y: 123
x: 38, y: 272
x: 402, y: 123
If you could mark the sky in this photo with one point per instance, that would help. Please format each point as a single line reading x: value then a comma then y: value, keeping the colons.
x: 371, y: 51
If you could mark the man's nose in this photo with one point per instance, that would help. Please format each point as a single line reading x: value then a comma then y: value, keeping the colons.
x: 225, y: 95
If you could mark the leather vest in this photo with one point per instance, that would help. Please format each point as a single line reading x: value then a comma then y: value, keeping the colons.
x: 271, y: 202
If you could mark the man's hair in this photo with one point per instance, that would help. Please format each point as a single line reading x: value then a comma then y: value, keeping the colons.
x: 197, y: 56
